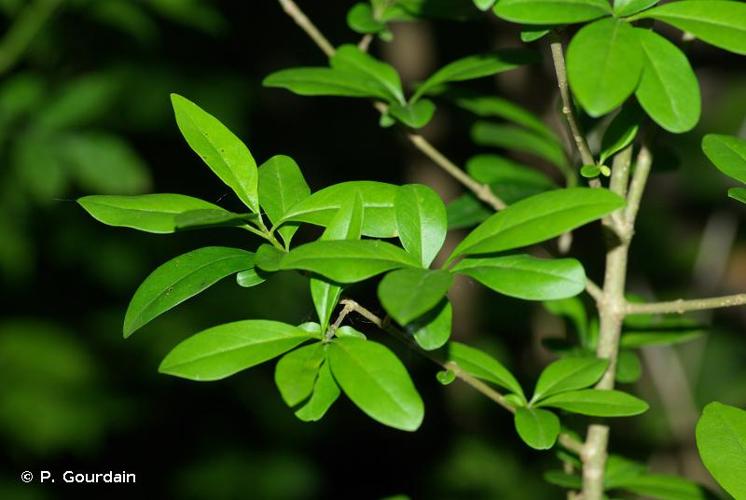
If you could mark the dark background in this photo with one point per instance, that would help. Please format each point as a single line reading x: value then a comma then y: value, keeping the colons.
x: 75, y: 396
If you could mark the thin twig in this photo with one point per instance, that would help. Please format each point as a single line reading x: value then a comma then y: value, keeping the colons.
x: 364, y: 43
x: 558, y: 57
x: 594, y: 290
x: 681, y: 306
x: 292, y: 10
x: 636, y: 188
x: 566, y: 440
x: 482, y: 191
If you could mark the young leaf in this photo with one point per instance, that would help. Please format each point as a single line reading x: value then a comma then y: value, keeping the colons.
x: 326, y: 82
x: 597, y: 403
x: 407, y: 294
x: 483, y: 366
x: 538, y: 218
x: 538, y: 428
x: 433, y: 330
x: 604, y: 62
x: 620, y: 133
x: 717, y: 22
x: 221, y: 351
x: 526, y: 277
x: 532, y: 33
x: 180, y: 279
x: 351, y: 58
x: 296, y: 372
x: 152, y: 213
x: 379, y: 220
x: 281, y: 185
x: 346, y: 225
x: 476, y: 66
x: 421, y: 221
x: 325, y: 393
x: 345, y: 261
x: 415, y: 114
x: 248, y: 278
x: 360, y: 19
x: 551, y: 12
x: 721, y: 440
x: 222, y: 151
x: 484, y: 4
x: 623, y: 8
x: 727, y: 153
x: 518, y: 139
x: 376, y: 381
x: 568, y: 374
x: 268, y: 258
x: 668, y: 89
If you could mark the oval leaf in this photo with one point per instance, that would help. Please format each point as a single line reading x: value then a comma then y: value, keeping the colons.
x: 326, y: 81
x: 407, y: 294
x: 221, y: 351
x: 180, y: 279
x: 526, y: 277
x: 551, y: 12
x: 668, y: 90
x: 421, y: 221
x: 597, y: 403
x: 433, y: 330
x: 538, y: 218
x: 325, y: 393
x: 281, y: 185
x: 568, y: 374
x: 727, y: 153
x: 538, y: 428
x: 296, y: 372
x: 152, y: 213
x: 604, y: 63
x: 721, y: 440
x: 351, y: 58
x: 483, y: 366
x: 376, y: 381
x: 223, y: 152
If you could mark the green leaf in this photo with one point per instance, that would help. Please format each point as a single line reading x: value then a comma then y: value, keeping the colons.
x: 325, y: 393
x: 466, y: 211
x: 180, y: 279
x: 415, y: 114
x: 641, y: 330
x: 281, y: 185
x: 526, y: 277
x: 738, y: 194
x: 551, y: 12
x: 421, y: 221
x: 222, y: 151
x: 624, y: 8
x: 569, y: 374
x: 727, y: 153
x: 345, y: 261
x: 518, y: 139
x: 326, y: 82
x: 590, y: 171
x: 620, y: 133
x: 538, y: 428
x: 351, y: 58
x: 248, y: 278
x: 717, y: 22
x: 221, y: 351
x: 663, y: 486
x: 488, y: 106
x: 296, y: 372
x: 721, y: 440
x: 407, y: 294
x: 574, y: 310
x: 563, y: 480
x: 268, y: 258
x: 445, y: 377
x: 668, y: 89
x: 379, y: 220
x: 498, y: 171
x: 476, y: 66
x: 198, y: 219
x: 483, y: 366
x: 538, y: 218
x: 619, y: 470
x: 152, y: 213
x: 604, y: 63
x: 433, y: 330
x: 597, y: 403
x: 347, y: 225
x: 484, y: 4
x: 360, y: 19
x: 532, y: 33
x: 376, y: 381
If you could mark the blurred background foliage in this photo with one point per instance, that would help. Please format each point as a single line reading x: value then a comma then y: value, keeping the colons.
x: 84, y: 109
